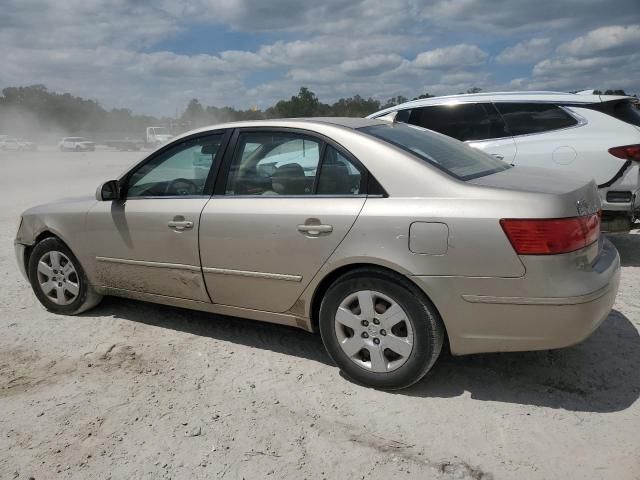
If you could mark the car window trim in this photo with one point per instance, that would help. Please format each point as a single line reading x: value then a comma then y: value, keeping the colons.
x: 230, y: 152
x: 208, y: 185
x: 581, y: 121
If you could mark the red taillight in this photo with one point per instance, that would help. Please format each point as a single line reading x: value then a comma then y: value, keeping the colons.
x: 551, y: 236
x: 626, y: 152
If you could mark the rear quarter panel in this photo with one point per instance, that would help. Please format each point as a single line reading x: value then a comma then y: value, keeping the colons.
x: 581, y: 149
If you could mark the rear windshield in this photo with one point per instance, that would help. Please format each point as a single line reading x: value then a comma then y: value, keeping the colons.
x: 622, y: 110
x: 627, y: 112
x: 449, y: 155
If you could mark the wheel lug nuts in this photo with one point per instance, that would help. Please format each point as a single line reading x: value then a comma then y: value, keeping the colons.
x: 376, y: 341
x: 376, y: 321
x: 383, y: 332
x: 365, y: 323
x: 365, y: 335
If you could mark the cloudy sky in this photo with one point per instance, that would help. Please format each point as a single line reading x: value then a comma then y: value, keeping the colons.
x: 154, y: 56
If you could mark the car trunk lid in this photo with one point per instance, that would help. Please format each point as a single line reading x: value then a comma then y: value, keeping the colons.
x: 574, y: 194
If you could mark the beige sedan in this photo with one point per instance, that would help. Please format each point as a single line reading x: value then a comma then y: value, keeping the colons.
x: 384, y: 237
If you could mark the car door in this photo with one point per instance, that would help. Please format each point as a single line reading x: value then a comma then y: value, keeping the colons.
x: 477, y: 124
x: 277, y: 217
x: 148, y: 240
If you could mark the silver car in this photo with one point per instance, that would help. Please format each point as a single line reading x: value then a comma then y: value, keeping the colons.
x: 384, y: 237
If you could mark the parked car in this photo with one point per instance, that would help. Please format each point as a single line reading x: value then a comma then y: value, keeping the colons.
x: 598, y: 135
x: 384, y: 237
x: 28, y: 145
x: 76, y: 144
x: 12, y: 144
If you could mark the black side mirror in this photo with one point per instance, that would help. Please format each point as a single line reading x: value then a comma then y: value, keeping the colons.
x: 108, y: 191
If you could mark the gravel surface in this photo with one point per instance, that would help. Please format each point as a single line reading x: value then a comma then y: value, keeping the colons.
x: 134, y: 390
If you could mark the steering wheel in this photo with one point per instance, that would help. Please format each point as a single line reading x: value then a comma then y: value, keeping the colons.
x: 182, y: 187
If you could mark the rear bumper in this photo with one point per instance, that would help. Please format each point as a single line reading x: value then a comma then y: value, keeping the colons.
x: 629, y: 182
x: 502, y: 315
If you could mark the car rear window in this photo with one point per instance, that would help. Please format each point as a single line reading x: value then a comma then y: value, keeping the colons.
x: 627, y: 112
x: 449, y: 155
x: 622, y: 110
x: 528, y: 118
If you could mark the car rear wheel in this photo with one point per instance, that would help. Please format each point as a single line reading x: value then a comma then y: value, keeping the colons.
x: 380, y: 329
x: 58, y: 280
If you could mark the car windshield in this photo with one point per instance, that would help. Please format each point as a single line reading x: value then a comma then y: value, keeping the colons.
x: 447, y: 154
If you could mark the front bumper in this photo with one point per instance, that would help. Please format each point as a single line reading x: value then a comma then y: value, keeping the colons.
x: 520, y: 314
x: 19, y: 250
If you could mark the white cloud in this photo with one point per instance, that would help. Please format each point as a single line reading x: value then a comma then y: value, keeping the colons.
x: 455, y: 56
x: 611, y: 39
x: 80, y: 23
x: 526, y: 52
x: 371, y: 64
x: 116, y: 51
x: 507, y: 16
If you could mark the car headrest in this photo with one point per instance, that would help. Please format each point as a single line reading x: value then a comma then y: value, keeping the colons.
x: 211, y: 148
x: 289, y: 179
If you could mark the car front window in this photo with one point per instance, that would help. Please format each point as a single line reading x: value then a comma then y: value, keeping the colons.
x: 179, y: 172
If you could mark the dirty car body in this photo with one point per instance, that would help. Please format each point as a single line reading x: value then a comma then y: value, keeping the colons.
x: 279, y: 220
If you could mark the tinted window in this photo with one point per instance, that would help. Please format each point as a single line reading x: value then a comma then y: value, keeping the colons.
x: 453, y: 157
x: 463, y: 121
x: 526, y: 118
x: 627, y: 112
x: 338, y: 176
x: 180, y: 171
x: 273, y: 164
x: 622, y: 110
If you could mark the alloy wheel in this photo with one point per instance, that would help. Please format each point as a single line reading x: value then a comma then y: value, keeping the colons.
x: 374, y: 331
x: 58, y: 278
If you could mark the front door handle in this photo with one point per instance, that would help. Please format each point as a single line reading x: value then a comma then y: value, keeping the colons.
x: 498, y: 156
x: 315, y: 228
x: 180, y: 224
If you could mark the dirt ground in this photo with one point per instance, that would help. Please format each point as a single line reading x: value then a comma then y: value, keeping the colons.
x: 132, y: 390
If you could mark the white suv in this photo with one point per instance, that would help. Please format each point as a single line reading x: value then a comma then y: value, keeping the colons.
x: 596, y: 135
x: 76, y: 144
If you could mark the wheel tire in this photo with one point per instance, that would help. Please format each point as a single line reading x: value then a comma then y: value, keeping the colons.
x: 427, y: 328
x: 77, y: 148
x: 85, y: 299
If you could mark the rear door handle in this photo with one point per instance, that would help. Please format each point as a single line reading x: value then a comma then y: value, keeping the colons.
x: 498, y: 156
x: 315, y: 229
x: 180, y: 224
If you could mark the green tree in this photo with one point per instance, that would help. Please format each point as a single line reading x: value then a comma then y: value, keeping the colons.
x: 392, y: 102
x: 424, y: 95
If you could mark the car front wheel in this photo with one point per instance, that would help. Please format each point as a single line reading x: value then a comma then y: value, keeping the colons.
x: 380, y: 329
x: 58, y: 280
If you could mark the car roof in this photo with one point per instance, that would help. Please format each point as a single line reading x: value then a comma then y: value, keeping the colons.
x: 518, y: 96
x: 304, y: 123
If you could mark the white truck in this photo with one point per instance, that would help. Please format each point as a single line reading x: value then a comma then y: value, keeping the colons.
x: 157, y: 136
